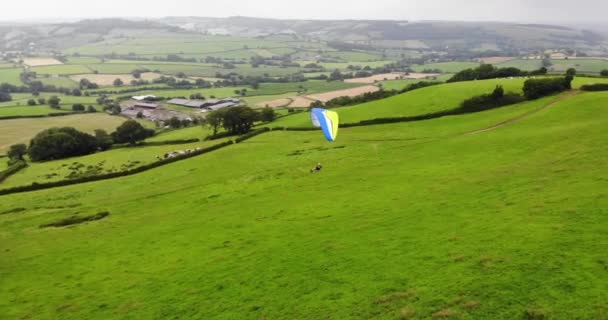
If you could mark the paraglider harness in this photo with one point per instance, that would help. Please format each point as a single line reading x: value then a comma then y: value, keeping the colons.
x: 316, y: 168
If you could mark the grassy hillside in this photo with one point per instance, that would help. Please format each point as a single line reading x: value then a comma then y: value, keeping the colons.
x: 11, y: 76
x: 417, y: 102
x: 500, y: 225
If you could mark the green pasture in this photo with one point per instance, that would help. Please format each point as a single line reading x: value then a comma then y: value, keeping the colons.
x: 446, y: 67
x: 11, y: 76
x: 403, y: 222
x: 23, y: 130
x: 64, y: 69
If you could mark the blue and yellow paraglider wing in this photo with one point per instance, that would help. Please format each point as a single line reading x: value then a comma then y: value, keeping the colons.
x: 328, y: 121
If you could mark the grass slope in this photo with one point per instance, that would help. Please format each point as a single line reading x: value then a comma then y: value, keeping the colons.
x: 489, y: 226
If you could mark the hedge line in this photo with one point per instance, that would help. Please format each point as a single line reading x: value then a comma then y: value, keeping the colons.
x: 160, y: 163
x: 155, y: 143
x: 12, y: 170
x: 40, y: 186
x: 595, y: 87
x: 58, y: 114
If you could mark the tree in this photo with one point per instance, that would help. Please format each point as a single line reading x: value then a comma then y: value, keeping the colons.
x: 571, y: 72
x: 174, y: 123
x: 41, y: 101
x: 77, y: 92
x: 59, y: 143
x: 136, y: 74
x: 214, y: 120
x: 268, y: 115
x: 5, y: 96
x: 104, y: 140
x: 118, y: 82
x: 131, y: 132
x: 239, y: 120
x: 140, y: 115
x: 180, y: 75
x: 498, y: 93
x: 78, y: 107
x: 54, y: 102
x: 604, y: 73
x: 31, y: 102
x: 17, y: 151
x: 91, y: 109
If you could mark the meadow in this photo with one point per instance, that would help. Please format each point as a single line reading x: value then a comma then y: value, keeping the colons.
x: 114, y: 160
x: 417, y: 102
x: 446, y: 67
x: 23, y: 130
x: 503, y: 224
x: 11, y: 76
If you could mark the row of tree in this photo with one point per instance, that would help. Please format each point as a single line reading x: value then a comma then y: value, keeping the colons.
x: 488, y: 71
x: 238, y: 120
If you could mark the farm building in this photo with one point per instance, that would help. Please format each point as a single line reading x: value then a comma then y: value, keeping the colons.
x: 142, y: 98
x: 145, y: 105
x: 206, y: 105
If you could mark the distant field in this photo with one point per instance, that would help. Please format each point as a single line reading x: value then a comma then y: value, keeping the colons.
x: 83, y: 60
x: 11, y: 76
x: 113, y: 68
x: 400, y: 84
x: 7, y: 65
x: 255, y: 100
x: 581, y: 65
x: 62, y: 69
x: 326, y: 96
x: 311, y: 86
x: 20, y: 99
x: 35, y: 62
x: 108, y: 79
x: 61, y: 82
x: 26, y: 110
x: 343, y: 65
x: 207, y: 93
x: 23, y: 130
x: 354, y: 56
x: 523, y: 64
x: 446, y: 67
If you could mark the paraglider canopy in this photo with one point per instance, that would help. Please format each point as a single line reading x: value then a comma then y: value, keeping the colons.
x: 326, y: 120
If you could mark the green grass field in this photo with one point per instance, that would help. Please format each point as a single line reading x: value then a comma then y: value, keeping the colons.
x: 23, y: 130
x: 11, y: 76
x: 400, y: 84
x: 504, y: 224
x: 522, y: 64
x: 581, y: 65
x: 446, y: 67
x: 61, y: 82
x: 26, y: 110
x: 253, y: 100
x: 311, y: 86
x: 100, y: 163
x: 417, y: 102
x: 64, y: 69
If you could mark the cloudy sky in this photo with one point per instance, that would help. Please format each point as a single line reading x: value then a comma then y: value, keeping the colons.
x: 465, y: 10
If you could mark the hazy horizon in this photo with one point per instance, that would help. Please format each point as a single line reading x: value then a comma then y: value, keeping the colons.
x: 537, y: 11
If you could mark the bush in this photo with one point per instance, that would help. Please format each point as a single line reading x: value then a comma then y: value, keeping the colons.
x: 91, y: 109
x: 31, y: 102
x: 78, y: 107
x: 17, y: 151
x: 538, y: 88
x: 489, y: 101
x: 75, y: 220
x: 104, y: 140
x: 5, y: 96
x: 59, y: 143
x: 487, y: 71
x: 595, y: 87
x: 131, y: 132
x: 14, y: 168
x: 604, y: 73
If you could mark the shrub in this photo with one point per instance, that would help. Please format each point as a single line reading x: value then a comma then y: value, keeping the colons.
x: 595, y: 87
x: 104, y: 140
x: 17, y: 151
x: 14, y: 168
x: 538, y: 88
x: 131, y: 132
x: 91, y: 109
x: 78, y: 107
x: 75, y: 220
x: 604, y: 73
x: 31, y: 102
x: 59, y: 143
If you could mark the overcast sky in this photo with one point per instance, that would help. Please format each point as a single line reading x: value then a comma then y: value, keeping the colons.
x: 467, y: 10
